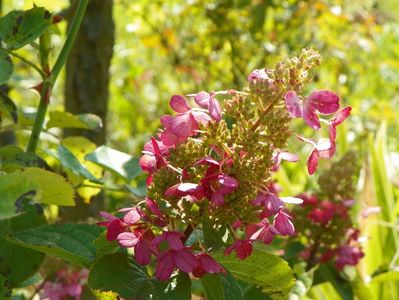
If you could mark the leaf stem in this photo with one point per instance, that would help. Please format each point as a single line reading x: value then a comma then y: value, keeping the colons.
x: 50, y: 80
x: 28, y: 62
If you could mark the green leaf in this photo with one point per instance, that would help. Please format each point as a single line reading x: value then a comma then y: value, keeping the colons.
x: 103, y: 246
x: 386, y: 276
x: 17, y: 263
x: 19, y: 28
x: 69, y: 161
x: 116, y: 162
x: 12, y: 187
x: 71, y: 242
x: 270, y: 272
x: 213, y: 287
x: 213, y: 237
x: 6, y: 69
x: 53, y: 188
x: 63, y: 119
x: 24, y: 159
x: 181, y: 288
x: 118, y: 273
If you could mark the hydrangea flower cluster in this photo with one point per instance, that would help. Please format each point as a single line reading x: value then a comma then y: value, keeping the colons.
x: 67, y: 285
x: 210, y: 170
x: 325, y: 224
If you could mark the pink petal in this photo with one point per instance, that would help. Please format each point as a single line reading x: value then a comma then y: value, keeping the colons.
x: 148, y: 163
x: 291, y: 200
x: 291, y: 157
x: 306, y: 140
x: 312, y: 162
x: 202, y: 99
x: 142, y: 252
x: 244, y: 250
x: 293, y: 104
x: 184, y: 125
x: 207, y: 160
x: 179, y: 104
x: 184, y: 260
x: 341, y: 116
x: 127, y: 239
x: 107, y: 216
x: 132, y: 216
x: 187, y: 187
x: 166, y: 121
x: 257, y: 74
x: 165, y: 266
x: 201, y: 117
x: 169, y: 138
x: 310, y: 117
x: 326, y: 102
x: 323, y: 144
x: 214, y: 109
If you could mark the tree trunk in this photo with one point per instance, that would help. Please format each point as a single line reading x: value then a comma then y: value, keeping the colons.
x: 86, y: 85
x: 87, y: 69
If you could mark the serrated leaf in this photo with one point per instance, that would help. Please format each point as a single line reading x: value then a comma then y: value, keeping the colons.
x: 54, y: 189
x: 12, y: 187
x: 63, y: 119
x: 6, y: 69
x: 118, y: 273
x: 19, y: 28
x: 71, y: 242
x: 103, y: 246
x: 19, y: 263
x: 24, y: 159
x: 268, y: 271
x: 116, y: 162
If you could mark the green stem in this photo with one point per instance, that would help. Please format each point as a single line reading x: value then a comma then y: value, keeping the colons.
x: 28, y: 62
x: 51, y: 79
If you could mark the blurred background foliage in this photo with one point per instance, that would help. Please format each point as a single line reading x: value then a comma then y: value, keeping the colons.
x: 179, y: 47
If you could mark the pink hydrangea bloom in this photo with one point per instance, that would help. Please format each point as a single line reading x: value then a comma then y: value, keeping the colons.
x: 243, y: 249
x: 283, y: 224
x: 114, y: 226
x: 323, y: 102
x: 181, y: 259
x: 206, y: 264
x: 153, y: 156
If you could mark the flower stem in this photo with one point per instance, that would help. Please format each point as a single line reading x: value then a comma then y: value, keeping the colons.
x: 50, y: 80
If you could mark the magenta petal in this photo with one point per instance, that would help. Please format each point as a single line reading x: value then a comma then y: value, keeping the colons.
x: 310, y: 117
x: 313, y: 161
x: 174, y: 240
x: 142, y: 252
x: 293, y: 104
x: 165, y: 266
x: 323, y: 144
x: 127, y: 239
x: 210, y: 265
x: 244, y: 250
x: 228, y: 182
x: 283, y: 224
x: 324, y: 101
x: 107, y: 216
x: 114, y: 229
x: 179, y: 104
x: 153, y: 207
x: 272, y: 202
x: 184, y: 260
x: 217, y: 199
x: 207, y: 160
x: 202, y: 99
